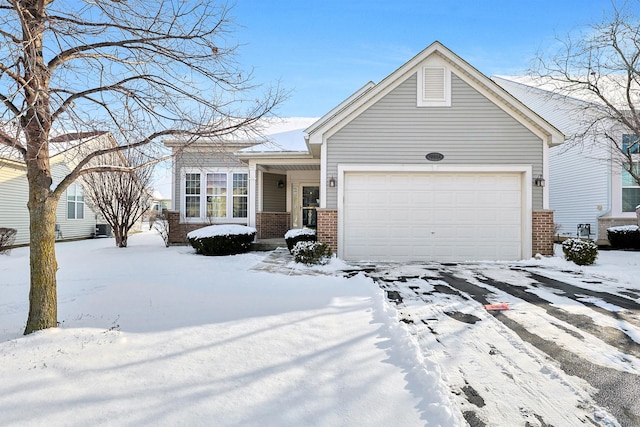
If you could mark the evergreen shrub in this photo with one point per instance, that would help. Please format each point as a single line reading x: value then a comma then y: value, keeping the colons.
x: 624, y: 237
x: 581, y: 252
x: 222, y: 241
x: 299, y: 235
x: 311, y: 253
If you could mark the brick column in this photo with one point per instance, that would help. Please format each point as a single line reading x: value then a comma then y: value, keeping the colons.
x: 272, y: 225
x: 327, y: 231
x: 176, y: 232
x: 542, y: 239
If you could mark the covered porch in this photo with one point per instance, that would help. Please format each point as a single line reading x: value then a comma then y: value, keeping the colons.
x: 286, y: 195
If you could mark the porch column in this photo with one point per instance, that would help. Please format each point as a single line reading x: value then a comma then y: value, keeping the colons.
x: 251, y: 214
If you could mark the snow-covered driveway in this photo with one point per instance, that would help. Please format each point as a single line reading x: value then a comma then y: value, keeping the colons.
x: 565, y: 353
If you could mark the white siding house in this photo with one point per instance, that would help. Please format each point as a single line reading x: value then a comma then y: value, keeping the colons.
x: 585, y: 182
x: 74, y: 219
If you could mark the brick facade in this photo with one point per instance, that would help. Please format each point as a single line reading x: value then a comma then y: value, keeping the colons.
x: 606, y: 222
x: 542, y: 239
x: 271, y: 225
x: 327, y: 231
x: 177, y: 230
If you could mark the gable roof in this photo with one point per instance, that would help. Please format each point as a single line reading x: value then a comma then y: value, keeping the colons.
x: 561, y: 111
x: 59, y: 144
x: 331, y: 123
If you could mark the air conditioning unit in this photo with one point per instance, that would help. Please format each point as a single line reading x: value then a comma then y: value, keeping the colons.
x: 103, y: 230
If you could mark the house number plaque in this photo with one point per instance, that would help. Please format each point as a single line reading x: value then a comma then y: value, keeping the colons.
x: 434, y: 157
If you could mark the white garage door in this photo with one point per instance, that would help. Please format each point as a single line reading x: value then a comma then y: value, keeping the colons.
x: 432, y: 216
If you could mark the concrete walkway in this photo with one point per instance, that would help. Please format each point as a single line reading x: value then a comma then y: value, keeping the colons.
x: 281, y: 261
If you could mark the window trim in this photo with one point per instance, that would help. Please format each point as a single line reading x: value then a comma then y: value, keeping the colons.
x: 445, y: 101
x: 623, y: 171
x: 203, y: 218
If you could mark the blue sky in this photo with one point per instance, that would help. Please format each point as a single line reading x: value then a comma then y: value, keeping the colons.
x: 323, y: 51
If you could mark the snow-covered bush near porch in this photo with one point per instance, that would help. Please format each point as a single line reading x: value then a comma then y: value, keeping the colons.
x: 581, y: 252
x: 624, y: 237
x: 299, y: 235
x: 311, y: 253
x: 226, y: 239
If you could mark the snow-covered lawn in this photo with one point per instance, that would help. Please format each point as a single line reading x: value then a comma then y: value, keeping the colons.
x: 160, y: 336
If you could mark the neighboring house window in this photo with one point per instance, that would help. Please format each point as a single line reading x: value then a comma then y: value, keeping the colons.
x: 75, y: 202
x: 630, y: 187
x: 225, y: 195
x: 630, y: 144
x: 192, y: 195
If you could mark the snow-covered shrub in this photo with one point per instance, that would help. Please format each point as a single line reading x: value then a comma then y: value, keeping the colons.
x: 624, y: 237
x: 7, y: 237
x: 222, y: 239
x: 581, y: 252
x: 299, y: 235
x: 311, y: 253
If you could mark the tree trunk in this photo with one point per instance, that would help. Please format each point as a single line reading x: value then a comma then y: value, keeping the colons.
x: 120, y: 234
x: 43, y: 299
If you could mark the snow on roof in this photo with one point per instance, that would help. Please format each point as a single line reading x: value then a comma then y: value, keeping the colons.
x: 59, y: 142
x: 299, y: 232
x: 279, y: 135
x: 612, y: 86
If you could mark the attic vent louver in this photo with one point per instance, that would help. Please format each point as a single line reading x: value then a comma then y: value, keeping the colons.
x: 434, y: 87
x: 433, y: 84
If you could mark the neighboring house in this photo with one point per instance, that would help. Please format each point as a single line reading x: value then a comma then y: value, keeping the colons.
x: 74, y: 219
x: 435, y: 162
x: 159, y: 203
x: 588, y: 189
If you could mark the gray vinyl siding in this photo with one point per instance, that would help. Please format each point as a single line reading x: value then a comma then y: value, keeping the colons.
x: 472, y: 131
x: 274, y: 199
x: 200, y: 159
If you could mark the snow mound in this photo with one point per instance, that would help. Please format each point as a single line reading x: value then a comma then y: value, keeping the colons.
x: 221, y: 230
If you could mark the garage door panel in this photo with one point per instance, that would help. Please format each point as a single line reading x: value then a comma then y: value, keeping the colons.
x: 439, y: 216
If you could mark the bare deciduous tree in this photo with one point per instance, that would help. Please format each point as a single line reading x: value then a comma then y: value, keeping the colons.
x: 121, y: 198
x: 600, y: 67
x: 142, y: 70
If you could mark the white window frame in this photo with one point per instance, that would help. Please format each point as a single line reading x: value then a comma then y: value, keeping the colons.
x: 445, y: 100
x: 76, y: 203
x: 203, y: 218
x: 636, y: 161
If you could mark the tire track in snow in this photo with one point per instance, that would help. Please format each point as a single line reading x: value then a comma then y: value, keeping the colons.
x: 483, y: 360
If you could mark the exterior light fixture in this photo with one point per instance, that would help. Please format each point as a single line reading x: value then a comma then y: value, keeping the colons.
x: 332, y: 182
x: 280, y: 183
x: 538, y: 181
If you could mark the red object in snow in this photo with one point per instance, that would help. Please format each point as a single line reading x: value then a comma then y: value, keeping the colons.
x: 500, y: 306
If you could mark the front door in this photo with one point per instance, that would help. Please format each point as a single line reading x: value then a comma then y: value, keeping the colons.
x: 310, y: 201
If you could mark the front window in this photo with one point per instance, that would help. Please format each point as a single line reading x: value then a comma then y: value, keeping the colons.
x: 630, y: 188
x: 192, y: 195
x: 75, y: 202
x: 240, y: 194
x: 216, y: 195
x: 225, y: 195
